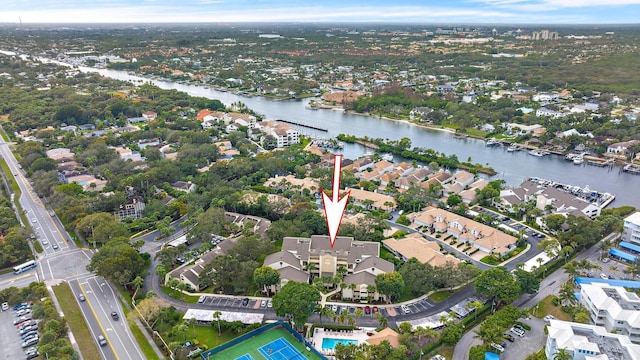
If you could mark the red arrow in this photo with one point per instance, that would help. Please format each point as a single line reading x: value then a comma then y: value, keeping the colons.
x: 334, y: 208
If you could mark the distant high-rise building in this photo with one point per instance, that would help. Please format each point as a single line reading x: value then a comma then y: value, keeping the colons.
x: 544, y: 35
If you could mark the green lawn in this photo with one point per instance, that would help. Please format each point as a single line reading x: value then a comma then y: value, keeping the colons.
x: 440, y: 295
x: 546, y: 307
x: 250, y: 346
x: 76, y: 322
x: 208, y: 335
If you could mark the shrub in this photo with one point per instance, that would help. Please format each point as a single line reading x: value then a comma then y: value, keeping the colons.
x: 555, y: 301
x: 525, y: 326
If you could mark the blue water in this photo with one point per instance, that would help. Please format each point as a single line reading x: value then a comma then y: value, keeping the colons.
x: 330, y: 343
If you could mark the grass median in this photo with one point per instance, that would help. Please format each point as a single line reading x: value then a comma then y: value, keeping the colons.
x: 74, y: 318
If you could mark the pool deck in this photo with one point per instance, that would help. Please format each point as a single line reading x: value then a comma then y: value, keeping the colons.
x: 319, y: 333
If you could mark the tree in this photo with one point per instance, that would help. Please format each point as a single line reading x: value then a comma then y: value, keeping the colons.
x: 358, y: 313
x: 327, y: 312
x: 119, y: 262
x: 451, y: 335
x: 298, y: 300
x: 562, y: 354
x: 566, y: 294
x: 390, y: 284
x: 477, y: 352
x: 489, y: 332
x: 266, y: 276
x: 529, y: 283
x: 216, y: 315
x: 498, y: 282
x: 383, y: 321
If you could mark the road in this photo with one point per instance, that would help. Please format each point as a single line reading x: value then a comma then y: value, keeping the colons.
x: 63, y: 260
x: 548, y: 286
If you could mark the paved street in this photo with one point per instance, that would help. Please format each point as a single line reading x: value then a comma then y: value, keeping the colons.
x: 62, y: 260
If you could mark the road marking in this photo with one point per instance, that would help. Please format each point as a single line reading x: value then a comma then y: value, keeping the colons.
x: 99, y: 324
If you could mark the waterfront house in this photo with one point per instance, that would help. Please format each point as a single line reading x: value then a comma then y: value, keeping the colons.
x: 621, y: 147
x: 372, y: 200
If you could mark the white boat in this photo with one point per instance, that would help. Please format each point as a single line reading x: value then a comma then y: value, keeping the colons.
x: 387, y: 156
x: 578, y: 160
x: 513, y: 148
x: 536, y: 152
x: 491, y: 142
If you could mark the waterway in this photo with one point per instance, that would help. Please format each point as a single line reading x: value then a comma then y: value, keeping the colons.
x: 513, y: 167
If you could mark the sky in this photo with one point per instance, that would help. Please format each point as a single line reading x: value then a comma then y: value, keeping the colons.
x: 392, y: 11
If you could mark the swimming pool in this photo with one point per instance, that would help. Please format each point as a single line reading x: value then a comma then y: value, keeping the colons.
x: 330, y: 343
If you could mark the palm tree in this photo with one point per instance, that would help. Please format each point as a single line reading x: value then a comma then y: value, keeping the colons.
x: 326, y: 311
x: 384, y: 322
x: 571, y: 269
x: 137, y: 283
x: 605, y: 246
x: 358, y: 313
x: 216, y: 315
x: 344, y: 315
x: 562, y: 354
x: 566, y: 295
x: 420, y: 332
x: 489, y: 332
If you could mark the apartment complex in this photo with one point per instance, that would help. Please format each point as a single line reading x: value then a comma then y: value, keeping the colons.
x: 478, y: 235
x: 301, y: 258
x: 631, y: 231
x: 588, y: 342
x: 612, y: 307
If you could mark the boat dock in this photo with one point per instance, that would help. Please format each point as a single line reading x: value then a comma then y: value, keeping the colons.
x: 632, y: 169
x: 303, y: 125
x: 597, y: 198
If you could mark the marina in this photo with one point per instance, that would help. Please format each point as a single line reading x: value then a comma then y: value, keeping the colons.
x: 600, y: 199
x: 632, y: 169
x: 512, y: 166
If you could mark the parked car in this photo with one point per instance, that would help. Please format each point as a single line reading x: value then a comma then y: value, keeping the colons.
x: 518, y: 326
x: 406, y: 309
x: 603, y: 276
x: 263, y: 303
x: 201, y: 299
x: 605, y: 260
x: 367, y: 310
x: 334, y: 308
x: 29, y: 335
x: 245, y: 301
x: 20, y: 306
x: 23, y: 312
x: 30, y: 342
x: 517, y: 331
x: 5, y: 306
x: 101, y: 340
x: 21, y: 319
x: 55, y: 246
x: 269, y: 304
x: 549, y: 318
x: 374, y: 309
x: 497, y: 347
x: 509, y: 337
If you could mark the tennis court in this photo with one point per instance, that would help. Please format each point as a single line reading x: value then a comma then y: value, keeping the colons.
x: 280, y: 349
x: 274, y: 344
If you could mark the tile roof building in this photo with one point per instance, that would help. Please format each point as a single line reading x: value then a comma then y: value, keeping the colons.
x: 478, y: 235
x: 415, y: 246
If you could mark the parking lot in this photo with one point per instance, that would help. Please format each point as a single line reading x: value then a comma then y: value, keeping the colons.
x: 416, y: 307
x: 531, y: 342
x: 228, y: 302
x: 10, y: 340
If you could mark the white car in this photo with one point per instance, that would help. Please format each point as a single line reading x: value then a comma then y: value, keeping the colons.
x: 5, y: 306
x: 406, y: 309
x: 549, y: 318
x: 34, y: 220
x: 269, y: 304
x: 45, y: 241
x: 497, y: 347
x: 604, y: 276
x: 517, y: 332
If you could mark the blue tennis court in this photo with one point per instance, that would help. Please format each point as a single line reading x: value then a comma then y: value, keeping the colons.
x: 280, y: 349
x: 245, y: 357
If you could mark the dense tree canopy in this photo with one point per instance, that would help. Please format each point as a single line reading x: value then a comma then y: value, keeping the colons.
x: 297, y: 300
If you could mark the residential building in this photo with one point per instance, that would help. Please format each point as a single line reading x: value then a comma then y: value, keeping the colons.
x: 131, y: 209
x: 149, y: 115
x: 478, y: 235
x: 387, y: 334
x: 283, y: 134
x: 416, y: 246
x: 631, y: 231
x: 372, y: 200
x: 562, y: 202
x: 186, y: 186
x: 301, y: 257
x: 612, y: 307
x: 621, y: 147
x: 290, y: 182
x: 588, y: 342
